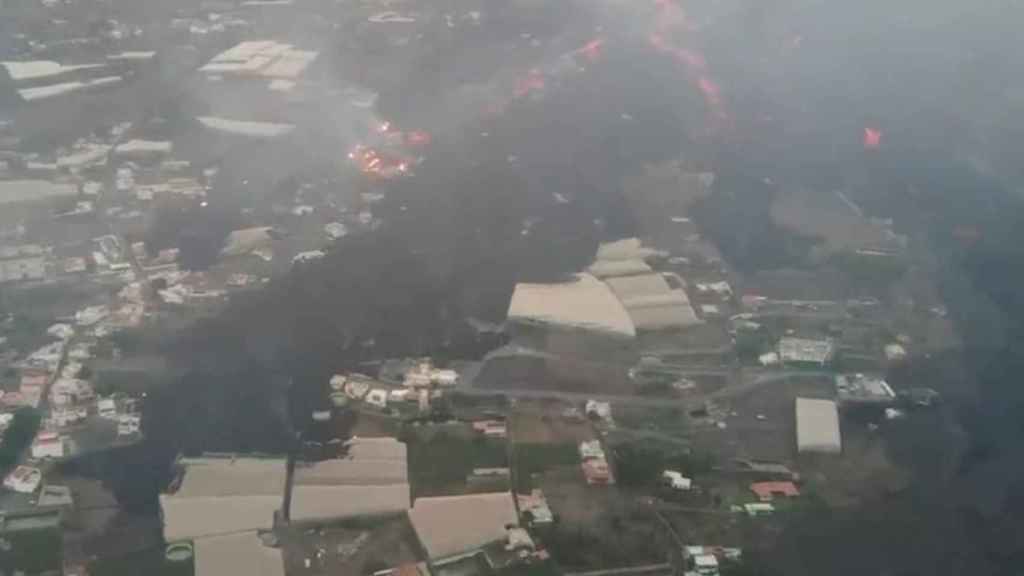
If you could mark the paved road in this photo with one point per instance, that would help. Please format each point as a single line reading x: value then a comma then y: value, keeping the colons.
x: 759, y: 379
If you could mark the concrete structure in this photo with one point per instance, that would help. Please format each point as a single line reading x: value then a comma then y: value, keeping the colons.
x: 19, y: 263
x: 219, y: 496
x: 52, y: 496
x: 243, y: 553
x: 652, y: 304
x: 537, y: 505
x: 817, y: 426
x: 264, y: 130
x: 583, y: 303
x: 264, y: 59
x: 49, y: 445
x: 854, y: 389
x: 143, y: 149
x: 612, y: 268
x: 452, y: 525
x: 705, y: 565
x: 805, y: 351
x: 24, y: 479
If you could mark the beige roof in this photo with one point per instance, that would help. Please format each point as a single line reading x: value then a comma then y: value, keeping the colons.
x: 450, y: 525
x: 817, y: 426
x: 232, y: 476
x: 322, y: 503
x: 652, y: 303
x: 246, y: 127
x: 35, y: 69
x: 353, y: 471
x: 261, y: 58
x: 585, y: 302
x: 625, y: 249
x: 12, y: 191
x: 627, y: 267
x: 191, y: 518
x: 237, y: 554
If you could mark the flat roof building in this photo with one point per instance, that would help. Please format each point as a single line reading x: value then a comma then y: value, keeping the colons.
x: 224, y: 495
x: 242, y: 553
x: 805, y: 351
x: 452, y: 525
x: 583, y: 303
x: 19, y: 263
x: 27, y: 191
x: 862, y: 389
x: 817, y: 426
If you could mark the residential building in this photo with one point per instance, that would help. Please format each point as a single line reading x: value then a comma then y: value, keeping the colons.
x: 803, y: 351
x: 767, y: 491
x: 50, y: 445
x: 675, y: 480
x: 24, y: 479
x: 537, y: 505
x: 854, y: 389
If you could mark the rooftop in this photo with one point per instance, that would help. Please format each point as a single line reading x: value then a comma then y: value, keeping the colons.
x: 14, y: 191
x: 817, y: 426
x: 584, y: 302
x: 859, y: 388
x: 242, y: 553
x: 805, y: 350
x: 246, y: 127
x: 261, y: 58
x: 451, y: 525
x: 226, y: 495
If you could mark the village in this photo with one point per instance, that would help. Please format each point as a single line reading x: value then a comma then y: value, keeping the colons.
x: 660, y: 410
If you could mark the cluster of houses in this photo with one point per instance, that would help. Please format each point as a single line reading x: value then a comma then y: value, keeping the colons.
x: 422, y: 383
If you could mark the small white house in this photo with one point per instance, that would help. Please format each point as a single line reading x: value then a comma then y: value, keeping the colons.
x: 676, y: 480
x: 49, y: 445
x: 107, y: 408
x: 377, y: 397
x: 706, y: 565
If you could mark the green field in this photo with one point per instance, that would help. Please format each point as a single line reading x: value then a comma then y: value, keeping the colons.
x: 530, y: 459
x: 440, y: 457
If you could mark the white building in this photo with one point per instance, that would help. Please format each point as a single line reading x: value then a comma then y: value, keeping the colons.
x: 805, y: 351
x: 377, y: 397
x: 107, y: 408
x: 817, y: 426
x: 24, y: 479
x: 49, y: 445
x: 675, y: 480
x: 705, y: 565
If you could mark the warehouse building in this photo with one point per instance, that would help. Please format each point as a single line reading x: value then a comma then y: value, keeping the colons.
x: 583, y: 303
x: 817, y: 426
x: 652, y: 303
x: 223, y: 495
